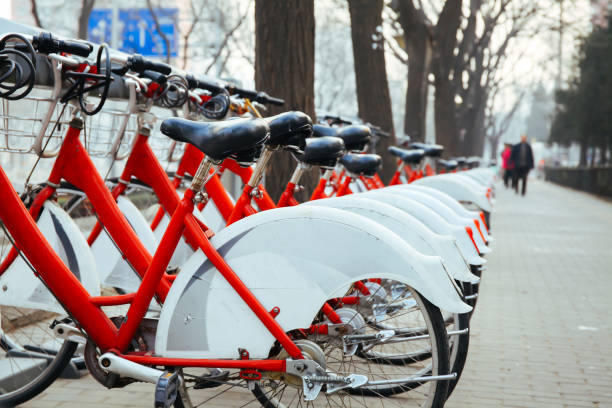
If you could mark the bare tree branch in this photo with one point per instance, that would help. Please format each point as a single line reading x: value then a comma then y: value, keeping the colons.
x: 159, y: 30
x: 248, y: 58
x: 399, y: 54
x: 226, y: 38
x: 86, y: 8
x: 197, y: 14
x: 34, y: 10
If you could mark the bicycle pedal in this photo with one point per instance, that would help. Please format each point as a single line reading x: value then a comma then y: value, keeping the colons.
x: 213, y: 379
x: 166, y: 389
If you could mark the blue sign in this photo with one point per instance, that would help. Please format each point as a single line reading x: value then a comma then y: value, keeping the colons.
x: 136, y: 30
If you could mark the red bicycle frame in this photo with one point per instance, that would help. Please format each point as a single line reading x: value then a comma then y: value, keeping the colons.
x: 86, y: 309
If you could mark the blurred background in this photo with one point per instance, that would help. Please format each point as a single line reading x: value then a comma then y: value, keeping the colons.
x: 471, y: 75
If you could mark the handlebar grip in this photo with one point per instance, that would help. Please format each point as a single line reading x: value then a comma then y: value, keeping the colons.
x: 274, y: 101
x: 337, y: 120
x: 243, y: 93
x: 81, y: 49
x: 260, y: 97
x: 195, y: 83
x: 154, y: 76
x: 140, y: 64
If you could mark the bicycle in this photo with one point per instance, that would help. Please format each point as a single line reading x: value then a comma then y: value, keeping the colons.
x: 86, y: 310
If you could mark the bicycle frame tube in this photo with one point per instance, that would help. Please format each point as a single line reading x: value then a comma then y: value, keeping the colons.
x: 35, y: 208
x: 143, y: 165
x: 50, y: 268
x: 287, y: 199
x: 369, y: 183
x: 189, y: 164
x: 74, y: 165
x: 329, y: 177
x: 344, y: 186
x: 377, y: 181
x: 86, y: 310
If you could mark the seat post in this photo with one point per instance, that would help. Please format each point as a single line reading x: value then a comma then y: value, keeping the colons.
x: 260, y: 167
x: 298, y: 172
x: 200, y: 177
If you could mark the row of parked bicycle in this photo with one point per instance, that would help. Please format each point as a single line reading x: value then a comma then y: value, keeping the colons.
x: 361, y: 296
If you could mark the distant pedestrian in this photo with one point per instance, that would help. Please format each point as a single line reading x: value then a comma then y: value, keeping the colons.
x: 507, y: 164
x: 522, y: 157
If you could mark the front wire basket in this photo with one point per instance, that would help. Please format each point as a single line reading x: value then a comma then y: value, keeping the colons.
x: 25, y: 122
x: 26, y: 127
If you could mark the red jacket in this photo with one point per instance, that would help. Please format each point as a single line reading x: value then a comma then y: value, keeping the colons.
x: 506, y: 162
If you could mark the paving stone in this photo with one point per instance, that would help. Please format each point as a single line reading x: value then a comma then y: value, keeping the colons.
x: 545, y: 302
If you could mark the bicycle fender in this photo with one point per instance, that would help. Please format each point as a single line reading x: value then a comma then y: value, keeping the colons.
x: 449, y: 202
x: 113, y: 269
x: 457, y: 187
x: 432, y: 220
x: 411, y: 230
x: 445, y: 212
x: 486, y: 176
x: 293, y: 259
x: 480, y: 179
x: 21, y: 288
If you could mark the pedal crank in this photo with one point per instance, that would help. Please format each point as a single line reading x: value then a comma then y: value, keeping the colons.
x: 67, y: 331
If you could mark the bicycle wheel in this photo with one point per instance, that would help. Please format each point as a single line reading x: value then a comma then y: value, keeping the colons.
x: 388, y: 384
x: 31, y: 357
x: 456, y: 326
x: 458, y: 350
x: 458, y: 346
x: 276, y: 390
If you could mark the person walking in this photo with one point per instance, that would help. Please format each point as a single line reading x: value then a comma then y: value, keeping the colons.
x: 507, y: 164
x: 522, y: 157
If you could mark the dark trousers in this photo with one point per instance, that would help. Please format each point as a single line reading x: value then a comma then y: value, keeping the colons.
x: 508, y: 177
x: 520, y: 174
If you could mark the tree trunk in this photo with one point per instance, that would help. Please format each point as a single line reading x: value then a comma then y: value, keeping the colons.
x: 373, y: 96
x: 417, y: 40
x: 284, y: 68
x: 471, y: 122
x: 478, y: 140
x: 443, y: 60
x: 445, y: 119
x: 494, y: 145
x: 417, y: 90
x: 583, y: 152
x: 86, y: 7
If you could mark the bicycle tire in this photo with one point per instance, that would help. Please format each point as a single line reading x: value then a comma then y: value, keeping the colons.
x: 459, y: 350
x: 32, y: 386
x: 435, y: 324
x: 43, y: 380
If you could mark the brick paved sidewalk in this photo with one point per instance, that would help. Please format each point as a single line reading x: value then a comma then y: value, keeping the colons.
x: 542, y: 332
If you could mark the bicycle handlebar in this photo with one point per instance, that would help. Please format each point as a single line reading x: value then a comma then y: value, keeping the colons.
x: 337, y: 120
x: 377, y: 130
x: 260, y: 97
x: 45, y: 43
x: 216, y: 87
x: 154, y: 76
x: 138, y: 63
x: 198, y: 83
